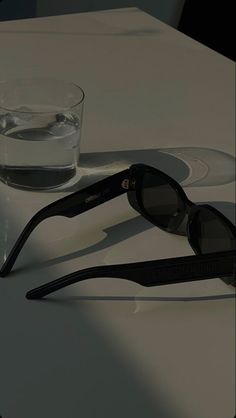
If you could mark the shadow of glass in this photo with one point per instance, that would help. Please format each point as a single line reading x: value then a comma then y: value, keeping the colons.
x: 190, y: 166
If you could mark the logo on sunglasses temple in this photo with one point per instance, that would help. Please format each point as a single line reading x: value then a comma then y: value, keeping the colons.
x: 127, y: 183
x: 93, y: 197
x: 96, y: 196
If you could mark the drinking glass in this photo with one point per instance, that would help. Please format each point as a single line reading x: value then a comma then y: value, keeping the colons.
x: 40, y: 132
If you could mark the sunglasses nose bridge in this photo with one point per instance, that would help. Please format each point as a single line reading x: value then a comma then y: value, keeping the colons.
x: 182, y: 228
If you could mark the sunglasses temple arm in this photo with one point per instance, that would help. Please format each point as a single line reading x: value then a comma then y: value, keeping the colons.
x: 70, y: 206
x: 150, y: 273
x: 10, y: 261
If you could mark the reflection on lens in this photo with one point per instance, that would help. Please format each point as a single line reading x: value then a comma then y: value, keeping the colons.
x: 161, y: 201
x: 214, y: 234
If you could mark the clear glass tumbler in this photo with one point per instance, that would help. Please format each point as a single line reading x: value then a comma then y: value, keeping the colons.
x: 40, y: 132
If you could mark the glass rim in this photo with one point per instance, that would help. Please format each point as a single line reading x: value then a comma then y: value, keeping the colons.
x: 42, y: 79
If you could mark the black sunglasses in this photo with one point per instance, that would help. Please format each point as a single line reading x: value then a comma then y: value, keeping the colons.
x: 162, y: 201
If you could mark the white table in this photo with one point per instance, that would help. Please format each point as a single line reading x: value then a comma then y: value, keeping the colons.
x: 98, y: 349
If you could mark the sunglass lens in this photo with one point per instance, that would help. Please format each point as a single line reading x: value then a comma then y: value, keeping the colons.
x: 161, y: 201
x: 210, y: 232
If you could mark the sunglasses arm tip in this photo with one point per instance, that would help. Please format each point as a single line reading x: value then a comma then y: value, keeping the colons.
x: 69, y: 279
x: 10, y: 260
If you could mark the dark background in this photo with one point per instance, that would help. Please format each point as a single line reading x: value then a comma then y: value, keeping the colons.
x: 166, y: 10
x: 211, y: 23
x: 17, y: 9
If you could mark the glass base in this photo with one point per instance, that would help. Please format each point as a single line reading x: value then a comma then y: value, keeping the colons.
x: 39, y: 178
